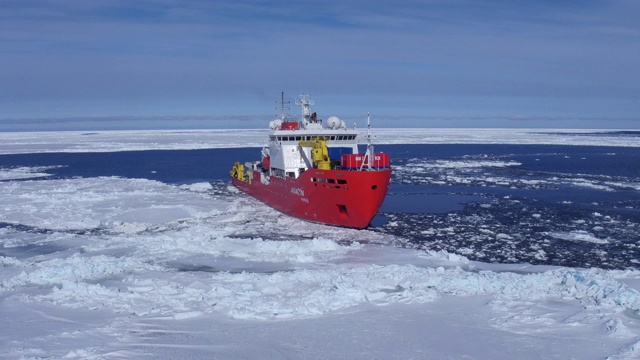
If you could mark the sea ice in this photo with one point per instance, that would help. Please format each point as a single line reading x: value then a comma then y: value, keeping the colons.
x: 135, y: 140
x: 112, y: 267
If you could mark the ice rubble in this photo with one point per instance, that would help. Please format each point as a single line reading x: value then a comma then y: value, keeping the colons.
x: 199, y: 257
x: 449, y: 172
x: 100, y: 203
x: 299, y: 290
x: 306, y: 277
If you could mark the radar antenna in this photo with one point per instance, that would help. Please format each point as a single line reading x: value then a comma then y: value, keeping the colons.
x: 306, y: 103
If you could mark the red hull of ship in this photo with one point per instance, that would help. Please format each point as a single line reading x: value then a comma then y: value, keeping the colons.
x: 335, y: 197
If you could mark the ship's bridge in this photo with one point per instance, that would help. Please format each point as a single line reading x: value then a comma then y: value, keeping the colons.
x: 290, y: 141
x: 332, y: 137
x: 289, y: 158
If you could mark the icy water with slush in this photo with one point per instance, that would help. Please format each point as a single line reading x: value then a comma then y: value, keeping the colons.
x: 575, y: 206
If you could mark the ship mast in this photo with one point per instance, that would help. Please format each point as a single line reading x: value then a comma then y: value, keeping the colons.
x: 306, y: 103
x: 283, y: 109
x: 369, y: 153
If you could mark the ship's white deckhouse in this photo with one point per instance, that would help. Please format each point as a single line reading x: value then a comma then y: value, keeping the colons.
x: 288, y: 157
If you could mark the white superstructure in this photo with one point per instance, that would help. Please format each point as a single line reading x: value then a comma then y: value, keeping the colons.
x: 288, y: 158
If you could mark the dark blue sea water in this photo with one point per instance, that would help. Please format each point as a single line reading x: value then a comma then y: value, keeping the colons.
x: 559, y: 205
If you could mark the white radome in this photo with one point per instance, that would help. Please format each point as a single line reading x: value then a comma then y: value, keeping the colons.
x: 275, y: 124
x: 333, y: 122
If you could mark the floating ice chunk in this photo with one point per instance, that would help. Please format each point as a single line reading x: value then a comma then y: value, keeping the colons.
x: 25, y: 172
x: 541, y: 255
x: 577, y: 235
x: 198, y: 187
x: 591, y: 185
x: 444, y: 255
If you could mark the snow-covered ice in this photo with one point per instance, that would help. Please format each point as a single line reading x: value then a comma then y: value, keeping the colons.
x: 105, y: 141
x: 111, y: 267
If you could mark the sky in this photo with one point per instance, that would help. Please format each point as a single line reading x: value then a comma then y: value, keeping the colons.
x: 457, y: 63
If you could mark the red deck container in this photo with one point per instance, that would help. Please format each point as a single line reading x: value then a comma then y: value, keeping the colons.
x: 351, y: 161
x: 380, y: 161
x: 289, y: 125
